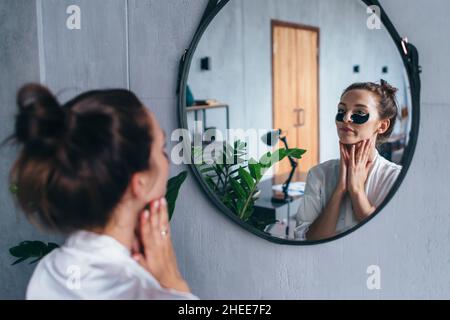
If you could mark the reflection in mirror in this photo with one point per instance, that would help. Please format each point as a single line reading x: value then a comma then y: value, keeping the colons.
x: 318, y: 84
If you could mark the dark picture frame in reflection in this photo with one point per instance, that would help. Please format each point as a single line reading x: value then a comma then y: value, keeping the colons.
x: 410, y: 59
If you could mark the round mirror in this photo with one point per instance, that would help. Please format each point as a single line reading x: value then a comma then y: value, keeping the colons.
x: 302, y: 115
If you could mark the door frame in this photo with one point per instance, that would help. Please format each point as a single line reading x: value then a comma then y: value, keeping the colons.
x: 278, y: 23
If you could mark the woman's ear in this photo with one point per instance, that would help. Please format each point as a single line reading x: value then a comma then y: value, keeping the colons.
x: 384, y: 125
x: 141, y: 185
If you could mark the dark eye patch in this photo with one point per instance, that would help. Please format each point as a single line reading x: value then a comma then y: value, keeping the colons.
x: 356, y: 118
x: 359, y: 119
x: 340, y: 116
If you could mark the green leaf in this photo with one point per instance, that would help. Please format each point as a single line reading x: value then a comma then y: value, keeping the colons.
x: 20, y: 250
x: 247, y: 179
x: 36, y: 260
x: 240, y: 206
x: 28, y: 249
x: 248, y: 213
x: 31, y: 249
x: 265, y: 160
x: 207, y: 169
x: 211, y: 183
x: 238, y: 189
x: 233, y: 172
x: 296, y: 153
x: 173, y: 187
x: 275, y: 157
x: 269, y: 159
x: 37, y: 248
x: 19, y: 260
x: 255, y: 171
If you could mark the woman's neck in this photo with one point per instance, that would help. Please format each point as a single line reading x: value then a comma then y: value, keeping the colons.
x: 121, y: 226
x: 372, y: 153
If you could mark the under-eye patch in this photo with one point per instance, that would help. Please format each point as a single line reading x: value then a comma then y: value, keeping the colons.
x: 356, y: 118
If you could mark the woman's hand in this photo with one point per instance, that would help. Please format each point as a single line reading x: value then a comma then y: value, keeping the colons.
x: 359, y: 166
x: 156, y: 253
x: 342, y: 182
x: 325, y: 224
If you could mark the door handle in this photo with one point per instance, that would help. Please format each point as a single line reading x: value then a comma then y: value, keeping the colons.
x: 300, y: 117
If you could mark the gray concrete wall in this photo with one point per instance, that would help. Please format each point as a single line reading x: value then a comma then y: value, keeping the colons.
x: 409, y: 239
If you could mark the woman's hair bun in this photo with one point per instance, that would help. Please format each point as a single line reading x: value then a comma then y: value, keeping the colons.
x: 387, y: 88
x: 40, y: 122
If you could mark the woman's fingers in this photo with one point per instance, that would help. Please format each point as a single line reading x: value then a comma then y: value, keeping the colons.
x: 365, y: 151
x: 352, y: 156
x: 344, y: 152
x: 165, y: 236
x: 347, y: 153
x: 164, y: 218
x: 357, y: 152
x: 139, y: 258
x: 361, y: 151
x: 341, y: 150
x: 369, y: 148
x: 145, y: 231
x: 154, y: 216
x: 136, y: 246
x: 154, y: 225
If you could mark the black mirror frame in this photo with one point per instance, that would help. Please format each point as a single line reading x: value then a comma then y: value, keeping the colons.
x: 410, y: 58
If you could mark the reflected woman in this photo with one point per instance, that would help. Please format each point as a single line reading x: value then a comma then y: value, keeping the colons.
x: 341, y: 193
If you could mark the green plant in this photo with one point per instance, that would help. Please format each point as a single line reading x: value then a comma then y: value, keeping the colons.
x: 235, y: 180
x: 173, y: 187
x: 220, y: 165
x: 38, y: 249
x: 31, y: 249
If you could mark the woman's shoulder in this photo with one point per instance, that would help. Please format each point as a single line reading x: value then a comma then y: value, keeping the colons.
x: 106, y: 272
x: 388, y: 170
x: 389, y: 165
x: 48, y: 278
x: 70, y: 272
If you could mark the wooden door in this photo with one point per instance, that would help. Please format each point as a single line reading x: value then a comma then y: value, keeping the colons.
x: 295, y: 68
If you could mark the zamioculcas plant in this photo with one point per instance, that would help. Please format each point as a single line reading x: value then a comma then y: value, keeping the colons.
x: 245, y: 185
x: 38, y: 249
x: 235, y: 180
x: 219, y: 164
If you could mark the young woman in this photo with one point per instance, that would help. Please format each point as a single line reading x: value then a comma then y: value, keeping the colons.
x: 89, y: 168
x: 341, y: 193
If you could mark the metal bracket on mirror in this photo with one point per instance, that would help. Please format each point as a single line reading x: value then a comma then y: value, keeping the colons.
x: 410, y: 54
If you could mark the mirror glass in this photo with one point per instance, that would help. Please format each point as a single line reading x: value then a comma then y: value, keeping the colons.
x: 270, y: 76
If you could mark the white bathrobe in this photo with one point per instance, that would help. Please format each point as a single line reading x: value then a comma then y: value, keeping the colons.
x: 92, y: 266
x: 321, y: 182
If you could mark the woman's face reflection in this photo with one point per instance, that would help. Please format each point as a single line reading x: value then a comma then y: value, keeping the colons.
x: 357, y: 116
